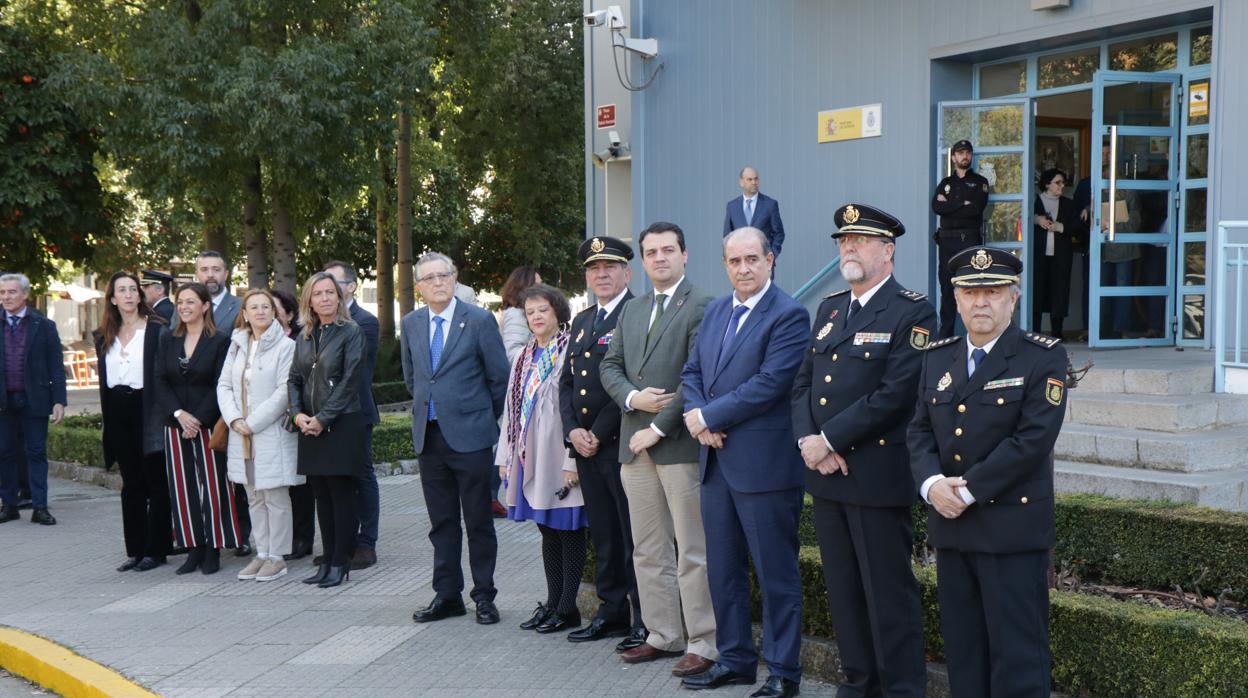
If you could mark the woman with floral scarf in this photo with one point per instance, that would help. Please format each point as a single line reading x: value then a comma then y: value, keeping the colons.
x: 540, y: 478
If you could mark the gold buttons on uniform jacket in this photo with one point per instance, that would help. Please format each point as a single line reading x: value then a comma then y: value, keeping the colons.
x: 823, y: 401
x: 1023, y: 500
x: 584, y: 373
x: 827, y: 378
x: 957, y: 458
x: 961, y: 408
x: 866, y: 355
x: 881, y: 442
x: 1000, y: 401
x: 583, y: 391
x: 957, y: 432
x: 834, y: 357
x: 584, y: 410
x: 587, y: 355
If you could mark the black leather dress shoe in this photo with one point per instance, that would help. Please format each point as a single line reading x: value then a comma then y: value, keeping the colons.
x: 558, y: 621
x: 777, y: 687
x: 322, y: 572
x: 439, y: 609
x: 335, y: 577
x: 540, y: 614
x: 43, y: 517
x: 8, y: 514
x: 598, y: 630
x: 715, y: 677
x: 129, y: 564
x: 363, y: 558
x: 299, y: 550
x: 244, y: 550
x: 635, y: 638
x: 149, y: 563
x: 487, y: 613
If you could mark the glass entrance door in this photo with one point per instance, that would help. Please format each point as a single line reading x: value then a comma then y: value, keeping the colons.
x: 1000, y: 130
x: 1135, y: 116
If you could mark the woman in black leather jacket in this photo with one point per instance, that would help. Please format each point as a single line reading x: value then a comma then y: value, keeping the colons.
x: 325, y: 409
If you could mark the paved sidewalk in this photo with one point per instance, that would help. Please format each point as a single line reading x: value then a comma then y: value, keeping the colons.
x: 208, y: 636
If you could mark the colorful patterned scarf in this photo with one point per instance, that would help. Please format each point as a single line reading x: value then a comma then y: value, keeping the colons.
x: 526, y: 380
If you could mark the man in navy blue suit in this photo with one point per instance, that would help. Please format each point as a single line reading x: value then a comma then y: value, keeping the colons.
x: 737, y: 386
x: 367, y: 496
x: 756, y: 210
x: 32, y: 386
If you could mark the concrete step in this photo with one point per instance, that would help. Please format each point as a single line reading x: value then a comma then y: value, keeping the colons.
x: 1193, y: 451
x: 1169, y: 413
x: 1160, y: 379
x: 1226, y: 489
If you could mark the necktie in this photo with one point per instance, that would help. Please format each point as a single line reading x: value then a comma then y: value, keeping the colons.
x: 977, y: 359
x: 854, y: 307
x: 749, y: 211
x: 13, y: 320
x: 435, y: 355
x: 660, y: 300
x: 730, y: 334
x: 600, y: 318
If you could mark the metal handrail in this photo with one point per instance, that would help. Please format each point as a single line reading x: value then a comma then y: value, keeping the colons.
x: 819, y: 276
x: 1230, y: 256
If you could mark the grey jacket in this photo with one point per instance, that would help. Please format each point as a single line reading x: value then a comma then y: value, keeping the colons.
x: 326, y: 372
x: 630, y: 365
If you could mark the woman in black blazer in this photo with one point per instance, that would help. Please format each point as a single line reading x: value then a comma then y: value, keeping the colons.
x: 1052, y: 250
x: 125, y: 347
x: 205, y: 518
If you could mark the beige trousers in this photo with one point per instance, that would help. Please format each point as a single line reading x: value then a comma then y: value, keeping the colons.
x: 664, y: 503
x: 272, y: 520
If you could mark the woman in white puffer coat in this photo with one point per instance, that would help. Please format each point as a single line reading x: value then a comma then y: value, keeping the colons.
x: 262, y: 454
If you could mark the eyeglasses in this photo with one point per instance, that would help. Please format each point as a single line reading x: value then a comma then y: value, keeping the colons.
x: 435, y: 278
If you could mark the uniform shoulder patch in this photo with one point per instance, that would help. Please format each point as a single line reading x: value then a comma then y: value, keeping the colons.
x: 912, y: 295
x: 1041, y: 339
x: 834, y: 294
x: 943, y: 342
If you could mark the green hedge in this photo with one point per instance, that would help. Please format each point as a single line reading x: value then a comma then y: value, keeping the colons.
x: 392, y: 439
x: 390, y: 392
x: 1100, y: 646
x: 75, y: 444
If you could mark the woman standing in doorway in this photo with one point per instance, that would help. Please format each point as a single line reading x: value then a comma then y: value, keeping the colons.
x: 1056, y: 221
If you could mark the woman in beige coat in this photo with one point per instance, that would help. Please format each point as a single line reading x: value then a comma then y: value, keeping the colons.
x: 262, y: 454
x: 540, y: 478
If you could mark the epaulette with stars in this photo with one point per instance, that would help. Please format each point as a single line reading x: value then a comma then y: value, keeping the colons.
x: 1041, y: 339
x: 912, y: 295
x: 834, y: 294
x: 943, y: 342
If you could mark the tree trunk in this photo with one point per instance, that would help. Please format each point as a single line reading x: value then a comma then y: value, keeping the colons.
x: 407, y: 290
x: 253, y: 235
x: 283, y: 247
x: 385, y: 254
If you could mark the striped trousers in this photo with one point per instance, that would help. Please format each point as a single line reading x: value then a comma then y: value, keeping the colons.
x: 200, y: 493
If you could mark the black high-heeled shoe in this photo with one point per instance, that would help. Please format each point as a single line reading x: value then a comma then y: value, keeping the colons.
x: 321, y: 573
x: 194, y: 556
x: 129, y: 564
x: 212, y: 561
x: 336, y: 576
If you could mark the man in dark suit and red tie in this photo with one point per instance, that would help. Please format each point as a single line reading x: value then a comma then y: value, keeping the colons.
x: 737, y: 387
x: 756, y: 210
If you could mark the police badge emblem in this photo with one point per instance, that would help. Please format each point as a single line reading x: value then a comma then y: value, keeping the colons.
x: 1053, y: 391
x: 982, y: 260
x: 948, y: 189
x: 945, y: 381
x: 919, y: 337
x: 851, y: 215
x: 823, y: 332
x: 597, y: 246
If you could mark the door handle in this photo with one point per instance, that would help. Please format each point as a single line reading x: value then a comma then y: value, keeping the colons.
x: 1113, y: 179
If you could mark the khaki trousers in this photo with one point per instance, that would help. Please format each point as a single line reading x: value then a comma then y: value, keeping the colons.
x: 664, y: 503
x: 272, y: 520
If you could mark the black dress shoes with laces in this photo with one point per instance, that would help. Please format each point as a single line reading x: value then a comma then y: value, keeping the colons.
x: 129, y: 564
x: 716, y: 677
x: 487, y: 613
x: 636, y: 638
x: 149, y: 563
x: 559, y: 621
x: 598, y: 630
x: 8, y: 514
x: 439, y: 609
x: 42, y: 517
x: 540, y: 614
x: 777, y: 687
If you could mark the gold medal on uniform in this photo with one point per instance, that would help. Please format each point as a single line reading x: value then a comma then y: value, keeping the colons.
x: 823, y: 332
x: 1053, y: 391
x: 945, y: 381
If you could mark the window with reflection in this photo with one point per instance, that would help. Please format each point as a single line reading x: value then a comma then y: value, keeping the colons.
x: 1002, y: 79
x: 1147, y: 55
x: 1202, y: 46
x: 1067, y: 68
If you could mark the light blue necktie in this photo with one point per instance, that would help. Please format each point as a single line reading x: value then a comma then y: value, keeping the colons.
x: 749, y: 211
x: 730, y: 334
x: 435, y: 355
x: 977, y: 359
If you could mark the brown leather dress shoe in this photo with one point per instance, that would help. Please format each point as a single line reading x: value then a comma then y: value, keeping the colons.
x: 645, y: 653
x: 691, y: 665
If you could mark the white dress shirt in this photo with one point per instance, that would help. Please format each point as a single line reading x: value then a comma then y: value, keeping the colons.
x: 614, y: 303
x: 447, y: 314
x: 963, y: 492
x: 124, y: 364
x: 749, y: 207
x: 654, y: 307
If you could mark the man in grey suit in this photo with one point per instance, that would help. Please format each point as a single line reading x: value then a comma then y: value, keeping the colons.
x: 456, y: 369
x: 641, y: 372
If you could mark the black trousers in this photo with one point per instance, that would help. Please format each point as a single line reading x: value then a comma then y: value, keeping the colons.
x: 303, y: 511
x: 948, y: 244
x: 335, y: 508
x: 873, y: 597
x: 145, y: 517
x: 995, y: 622
x: 459, y: 483
x: 563, y: 556
x: 606, y: 505
x: 244, y: 511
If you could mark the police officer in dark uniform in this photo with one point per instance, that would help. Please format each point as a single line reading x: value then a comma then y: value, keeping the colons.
x: 156, y: 285
x: 959, y: 200
x: 591, y: 426
x: 981, y: 449
x: 853, y: 398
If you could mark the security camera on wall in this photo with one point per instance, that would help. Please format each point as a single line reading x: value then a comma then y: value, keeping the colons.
x: 596, y: 19
x: 613, y: 137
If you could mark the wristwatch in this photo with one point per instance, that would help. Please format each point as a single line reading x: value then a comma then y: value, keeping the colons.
x: 177, y: 414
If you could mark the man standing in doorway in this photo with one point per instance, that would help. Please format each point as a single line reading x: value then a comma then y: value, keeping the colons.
x: 959, y: 200
x: 32, y: 386
x: 368, y: 500
x: 756, y: 210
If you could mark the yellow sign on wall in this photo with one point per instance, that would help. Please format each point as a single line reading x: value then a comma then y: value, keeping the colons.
x: 1198, y: 99
x: 849, y: 124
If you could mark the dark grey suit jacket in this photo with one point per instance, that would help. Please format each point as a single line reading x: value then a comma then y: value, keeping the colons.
x: 471, y: 381
x: 632, y: 365
x: 226, y: 313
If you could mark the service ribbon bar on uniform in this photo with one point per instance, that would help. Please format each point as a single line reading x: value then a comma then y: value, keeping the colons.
x: 872, y: 338
x: 1003, y: 383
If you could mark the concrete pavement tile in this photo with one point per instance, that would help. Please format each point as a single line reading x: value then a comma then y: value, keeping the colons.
x: 358, y: 644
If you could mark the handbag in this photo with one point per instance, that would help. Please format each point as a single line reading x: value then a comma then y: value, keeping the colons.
x: 220, y: 437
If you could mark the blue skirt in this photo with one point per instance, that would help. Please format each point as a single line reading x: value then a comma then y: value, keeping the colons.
x: 563, y: 518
